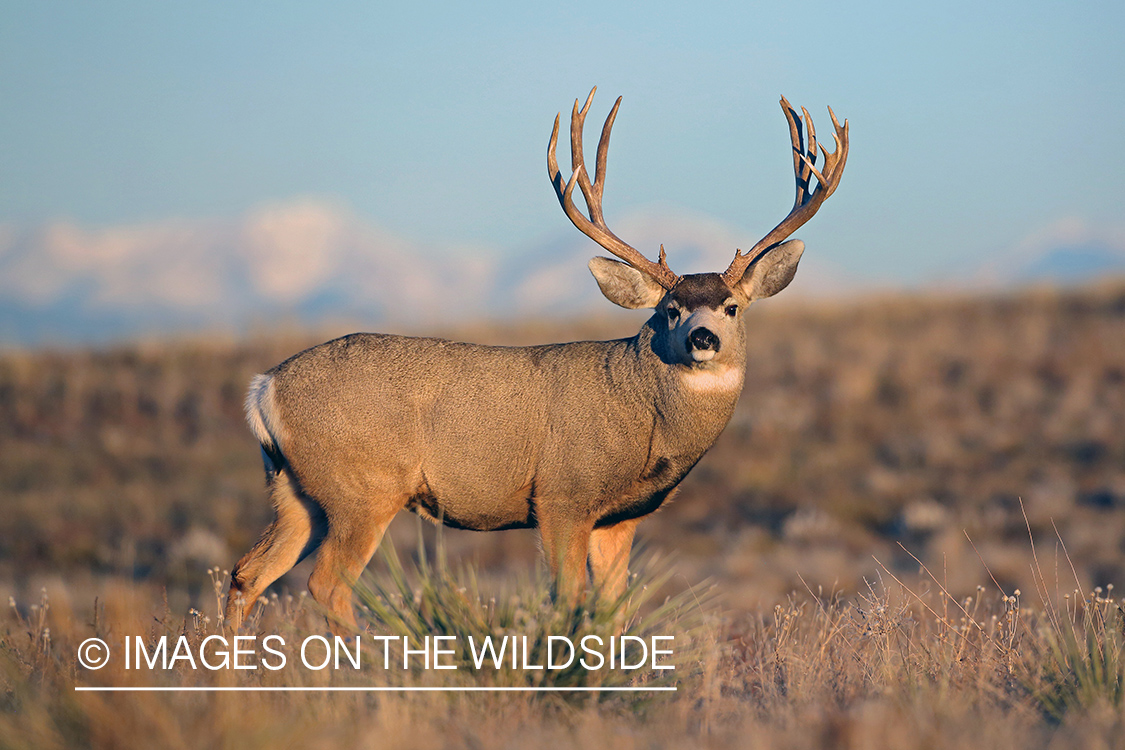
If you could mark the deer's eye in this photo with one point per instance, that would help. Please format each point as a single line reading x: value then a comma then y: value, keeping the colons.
x: 732, y: 310
x: 673, y: 314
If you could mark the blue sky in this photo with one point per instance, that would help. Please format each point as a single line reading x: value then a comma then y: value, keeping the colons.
x: 974, y: 125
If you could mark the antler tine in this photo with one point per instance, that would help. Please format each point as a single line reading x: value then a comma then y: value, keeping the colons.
x: 840, y: 135
x: 810, y: 151
x: 600, y: 159
x: 595, y: 227
x: 577, y: 158
x: 808, y: 199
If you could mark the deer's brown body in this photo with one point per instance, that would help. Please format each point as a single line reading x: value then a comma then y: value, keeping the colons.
x: 579, y: 440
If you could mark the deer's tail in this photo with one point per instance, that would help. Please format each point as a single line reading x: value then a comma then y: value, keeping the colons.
x: 265, y: 422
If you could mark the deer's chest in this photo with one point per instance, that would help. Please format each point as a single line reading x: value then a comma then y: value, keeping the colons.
x: 675, y: 447
x: 649, y: 491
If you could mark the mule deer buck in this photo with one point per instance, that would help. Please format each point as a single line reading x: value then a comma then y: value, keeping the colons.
x: 579, y: 440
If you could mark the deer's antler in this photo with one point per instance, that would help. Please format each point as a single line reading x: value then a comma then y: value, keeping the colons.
x: 808, y: 198
x: 595, y: 227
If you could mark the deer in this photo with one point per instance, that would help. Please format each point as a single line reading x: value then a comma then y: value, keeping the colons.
x: 579, y: 440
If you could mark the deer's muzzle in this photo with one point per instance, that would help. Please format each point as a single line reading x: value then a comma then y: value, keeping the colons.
x: 702, y: 344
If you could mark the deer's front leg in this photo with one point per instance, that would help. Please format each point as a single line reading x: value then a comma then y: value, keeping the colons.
x: 565, y: 545
x: 609, y: 558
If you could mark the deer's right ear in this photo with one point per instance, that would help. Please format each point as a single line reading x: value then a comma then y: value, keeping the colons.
x: 624, y: 285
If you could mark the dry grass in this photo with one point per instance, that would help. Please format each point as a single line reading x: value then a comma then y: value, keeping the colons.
x: 958, y: 429
x: 900, y: 665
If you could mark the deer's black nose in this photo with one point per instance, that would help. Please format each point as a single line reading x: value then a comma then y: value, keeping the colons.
x: 703, y: 338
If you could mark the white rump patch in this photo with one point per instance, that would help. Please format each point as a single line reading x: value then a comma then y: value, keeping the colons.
x: 708, y: 380
x: 261, y: 411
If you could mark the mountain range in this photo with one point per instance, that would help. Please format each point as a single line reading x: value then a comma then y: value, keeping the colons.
x: 309, y: 262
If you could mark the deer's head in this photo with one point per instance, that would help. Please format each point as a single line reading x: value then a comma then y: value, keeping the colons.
x: 699, y: 316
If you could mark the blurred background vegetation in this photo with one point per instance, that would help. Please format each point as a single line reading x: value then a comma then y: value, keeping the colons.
x: 926, y: 421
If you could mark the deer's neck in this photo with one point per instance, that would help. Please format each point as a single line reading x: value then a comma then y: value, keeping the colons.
x: 691, y: 401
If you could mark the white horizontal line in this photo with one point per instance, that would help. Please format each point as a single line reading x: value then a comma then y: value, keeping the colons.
x: 372, y: 689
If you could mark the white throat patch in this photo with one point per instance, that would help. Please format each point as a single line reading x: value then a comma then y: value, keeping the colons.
x: 710, y: 380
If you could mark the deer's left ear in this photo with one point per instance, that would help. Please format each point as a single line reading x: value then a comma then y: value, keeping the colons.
x: 624, y: 285
x: 773, y: 271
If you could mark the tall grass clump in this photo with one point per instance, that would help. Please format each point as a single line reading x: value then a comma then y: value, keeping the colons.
x: 1073, y: 662
x: 432, y: 598
x: 1080, y: 665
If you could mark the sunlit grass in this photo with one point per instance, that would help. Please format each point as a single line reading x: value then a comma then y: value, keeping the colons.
x: 433, y: 598
x: 898, y: 660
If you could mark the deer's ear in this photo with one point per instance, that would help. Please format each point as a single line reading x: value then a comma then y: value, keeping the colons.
x: 624, y: 285
x: 773, y: 271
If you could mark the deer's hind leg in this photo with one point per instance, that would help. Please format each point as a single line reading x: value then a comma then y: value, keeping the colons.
x: 351, y: 540
x: 297, y: 530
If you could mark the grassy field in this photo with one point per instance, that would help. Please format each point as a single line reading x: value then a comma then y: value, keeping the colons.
x: 841, y: 568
